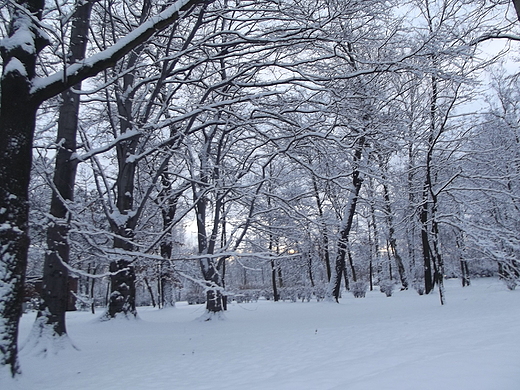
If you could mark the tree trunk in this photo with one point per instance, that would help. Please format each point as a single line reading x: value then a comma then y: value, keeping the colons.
x: 122, y: 299
x: 123, y: 289
x: 55, y: 291
x: 150, y: 291
x: 169, y: 200
x: 427, y: 261
x: 392, y: 240
x: 466, y: 281
x: 324, y: 234
x: 276, y: 295
x: 357, y: 181
x: 309, y: 267
x: 17, y: 123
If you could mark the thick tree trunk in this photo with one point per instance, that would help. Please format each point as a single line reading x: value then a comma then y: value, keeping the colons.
x: 122, y: 295
x: 17, y: 119
x: 17, y: 123
x: 55, y: 291
x: 122, y: 282
x: 121, y: 301
x: 208, y: 267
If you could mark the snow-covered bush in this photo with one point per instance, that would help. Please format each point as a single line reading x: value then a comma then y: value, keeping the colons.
x: 359, y: 289
x: 511, y: 283
x: 194, y: 298
x: 305, y: 293
x: 320, y: 292
x: 267, y: 294
x: 288, y: 294
x: 387, y: 288
x: 418, y: 286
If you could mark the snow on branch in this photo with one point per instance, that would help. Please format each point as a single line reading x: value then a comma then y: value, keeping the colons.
x: 47, y: 87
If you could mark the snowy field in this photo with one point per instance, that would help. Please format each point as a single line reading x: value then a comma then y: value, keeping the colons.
x: 404, y: 342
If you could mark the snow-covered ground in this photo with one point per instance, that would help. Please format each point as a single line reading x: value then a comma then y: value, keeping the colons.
x: 404, y: 342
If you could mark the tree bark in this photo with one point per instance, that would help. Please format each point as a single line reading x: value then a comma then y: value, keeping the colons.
x: 357, y: 181
x: 17, y: 123
x: 392, y: 240
x: 427, y: 260
x: 324, y: 234
x: 55, y: 290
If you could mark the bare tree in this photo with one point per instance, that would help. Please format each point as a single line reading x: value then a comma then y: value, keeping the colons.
x: 22, y: 94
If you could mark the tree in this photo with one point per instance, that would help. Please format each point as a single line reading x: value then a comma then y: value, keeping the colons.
x: 50, y: 321
x: 22, y: 93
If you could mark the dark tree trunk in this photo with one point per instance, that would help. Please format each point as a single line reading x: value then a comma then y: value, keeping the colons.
x: 17, y: 123
x: 92, y: 297
x: 168, y: 203
x: 122, y: 296
x: 371, y: 274
x: 373, y: 240
x: 427, y: 260
x: 392, y: 240
x: 357, y: 181
x: 150, y: 291
x: 208, y: 267
x: 466, y: 281
x: 276, y: 295
x: 345, y: 278
x: 122, y: 283
x: 309, y: 267
x: 324, y: 234
x: 465, y: 276
x: 55, y: 289
x: 351, y: 263
x: 121, y: 301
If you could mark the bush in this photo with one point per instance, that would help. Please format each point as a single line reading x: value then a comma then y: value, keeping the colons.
x: 359, y: 289
x: 419, y: 287
x: 387, y: 288
x: 511, y: 283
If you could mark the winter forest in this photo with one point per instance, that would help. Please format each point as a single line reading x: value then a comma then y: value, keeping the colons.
x: 219, y: 153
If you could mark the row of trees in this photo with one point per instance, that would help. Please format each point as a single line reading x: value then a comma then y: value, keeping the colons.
x: 330, y: 140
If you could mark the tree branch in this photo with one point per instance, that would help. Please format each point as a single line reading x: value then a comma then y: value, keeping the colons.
x: 45, y: 88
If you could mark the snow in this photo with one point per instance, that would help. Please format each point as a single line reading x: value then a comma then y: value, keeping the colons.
x: 403, y: 342
x: 22, y: 38
x: 119, y: 46
x: 15, y: 65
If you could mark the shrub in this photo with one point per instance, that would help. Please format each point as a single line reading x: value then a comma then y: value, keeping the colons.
x: 359, y: 289
x: 387, y: 288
